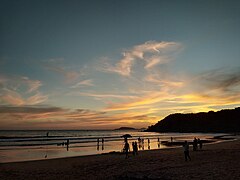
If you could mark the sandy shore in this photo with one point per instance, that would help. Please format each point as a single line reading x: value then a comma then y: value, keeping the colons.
x: 215, y: 161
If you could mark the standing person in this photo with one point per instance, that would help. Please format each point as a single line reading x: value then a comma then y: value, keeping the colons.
x: 139, y: 142
x: 171, y: 139
x: 195, y: 144
x: 186, y: 151
x: 98, y: 144
x: 148, y: 143
x: 136, y: 148
x: 102, y: 144
x: 159, y: 142
x: 133, y: 148
x: 200, y: 143
x: 67, y: 144
x: 126, y: 149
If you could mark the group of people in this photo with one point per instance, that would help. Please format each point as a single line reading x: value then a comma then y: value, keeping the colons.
x: 126, y: 148
x: 67, y: 143
x: 141, y: 143
x: 136, y: 146
x: 98, y: 144
x: 195, y: 144
x: 195, y: 147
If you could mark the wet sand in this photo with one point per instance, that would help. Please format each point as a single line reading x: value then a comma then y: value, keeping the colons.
x: 214, y: 161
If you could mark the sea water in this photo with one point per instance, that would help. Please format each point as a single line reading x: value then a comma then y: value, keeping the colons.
x: 19, y: 145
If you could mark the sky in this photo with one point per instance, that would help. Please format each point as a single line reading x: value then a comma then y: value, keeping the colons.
x: 90, y: 64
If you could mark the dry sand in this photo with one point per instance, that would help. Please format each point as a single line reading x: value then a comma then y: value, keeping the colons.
x: 215, y: 161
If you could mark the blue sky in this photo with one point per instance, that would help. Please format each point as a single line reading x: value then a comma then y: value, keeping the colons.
x: 104, y: 64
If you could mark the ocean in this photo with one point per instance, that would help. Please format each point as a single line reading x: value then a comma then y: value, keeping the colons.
x: 25, y: 145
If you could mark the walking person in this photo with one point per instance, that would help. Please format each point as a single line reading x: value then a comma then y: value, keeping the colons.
x: 186, y: 151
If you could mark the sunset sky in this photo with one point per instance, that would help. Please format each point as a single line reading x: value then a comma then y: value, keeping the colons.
x: 102, y: 64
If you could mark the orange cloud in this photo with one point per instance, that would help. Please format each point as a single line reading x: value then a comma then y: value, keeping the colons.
x: 42, y: 117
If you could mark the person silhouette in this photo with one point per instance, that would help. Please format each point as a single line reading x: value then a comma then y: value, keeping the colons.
x: 186, y: 151
x: 195, y: 144
x: 133, y: 148
x: 139, y: 142
x: 200, y: 143
x: 159, y: 142
x: 102, y: 144
x: 98, y: 144
x: 148, y: 143
x: 126, y: 149
x: 67, y: 144
x: 136, y: 148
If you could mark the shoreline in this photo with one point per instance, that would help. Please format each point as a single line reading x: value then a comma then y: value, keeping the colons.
x: 165, y: 144
x: 121, y: 153
x: 215, y: 161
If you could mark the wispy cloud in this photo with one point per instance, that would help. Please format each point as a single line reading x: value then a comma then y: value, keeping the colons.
x: 15, y: 90
x: 36, y: 99
x: 103, y: 96
x: 222, y: 79
x: 57, y: 65
x: 87, y: 82
x: 69, y: 75
x: 151, y: 52
x: 32, y: 84
x: 193, y: 93
x: 140, y: 102
x: 158, y: 80
x: 11, y: 97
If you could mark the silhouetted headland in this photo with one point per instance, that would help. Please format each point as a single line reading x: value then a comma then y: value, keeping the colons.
x: 225, y: 121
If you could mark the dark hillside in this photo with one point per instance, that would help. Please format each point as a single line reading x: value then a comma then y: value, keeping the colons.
x: 221, y: 121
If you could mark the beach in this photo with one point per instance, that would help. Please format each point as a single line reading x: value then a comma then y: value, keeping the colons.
x: 214, y: 161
